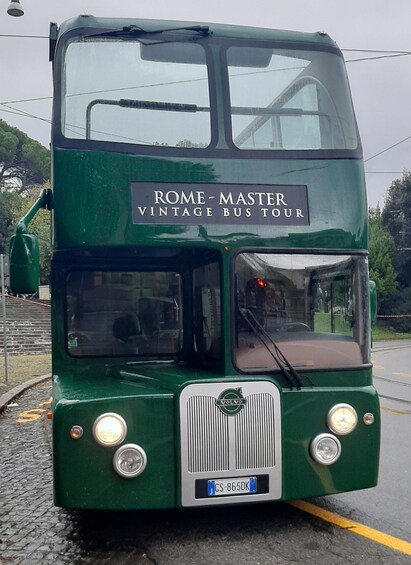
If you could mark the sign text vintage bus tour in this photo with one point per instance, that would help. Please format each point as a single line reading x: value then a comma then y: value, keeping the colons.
x: 166, y: 203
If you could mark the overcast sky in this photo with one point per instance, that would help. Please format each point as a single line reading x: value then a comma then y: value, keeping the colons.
x: 381, y: 87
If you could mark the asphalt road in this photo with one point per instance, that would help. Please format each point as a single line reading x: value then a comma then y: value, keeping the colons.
x: 388, y: 506
x: 33, y: 531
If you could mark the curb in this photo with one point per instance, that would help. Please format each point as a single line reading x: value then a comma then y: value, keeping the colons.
x: 10, y: 395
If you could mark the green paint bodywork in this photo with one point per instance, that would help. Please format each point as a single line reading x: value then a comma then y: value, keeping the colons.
x: 92, y: 180
x: 92, y: 217
x: 147, y: 397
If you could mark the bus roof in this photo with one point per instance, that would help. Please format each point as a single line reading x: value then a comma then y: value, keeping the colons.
x: 89, y: 22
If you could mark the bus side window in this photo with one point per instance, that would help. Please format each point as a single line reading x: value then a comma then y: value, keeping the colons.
x: 206, y: 318
x: 207, y: 312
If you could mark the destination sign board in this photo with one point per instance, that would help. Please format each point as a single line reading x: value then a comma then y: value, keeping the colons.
x: 170, y: 203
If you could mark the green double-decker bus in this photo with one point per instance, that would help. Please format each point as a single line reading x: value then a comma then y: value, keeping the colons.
x: 210, y: 294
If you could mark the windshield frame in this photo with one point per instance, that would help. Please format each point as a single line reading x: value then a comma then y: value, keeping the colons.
x: 221, y: 144
x: 365, y: 320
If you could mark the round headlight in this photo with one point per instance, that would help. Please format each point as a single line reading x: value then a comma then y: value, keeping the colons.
x: 325, y: 449
x: 130, y: 460
x: 109, y: 429
x: 342, y: 419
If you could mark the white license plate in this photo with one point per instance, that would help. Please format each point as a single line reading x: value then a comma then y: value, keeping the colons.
x: 229, y: 487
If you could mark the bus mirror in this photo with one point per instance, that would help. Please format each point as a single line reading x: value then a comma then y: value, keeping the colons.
x: 373, y: 301
x: 24, y: 263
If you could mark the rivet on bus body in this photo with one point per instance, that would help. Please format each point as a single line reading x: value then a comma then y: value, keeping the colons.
x: 368, y: 418
x: 76, y: 432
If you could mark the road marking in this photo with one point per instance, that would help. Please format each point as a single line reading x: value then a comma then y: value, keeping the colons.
x: 403, y: 375
x: 355, y: 527
x: 393, y: 411
x: 34, y: 414
x: 29, y: 415
x: 46, y: 403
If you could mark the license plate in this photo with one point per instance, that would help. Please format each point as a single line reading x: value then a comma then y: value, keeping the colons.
x: 229, y: 487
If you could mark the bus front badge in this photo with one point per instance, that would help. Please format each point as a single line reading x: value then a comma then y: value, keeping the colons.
x: 231, y: 401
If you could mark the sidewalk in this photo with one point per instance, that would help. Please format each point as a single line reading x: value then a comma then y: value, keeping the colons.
x: 11, y: 394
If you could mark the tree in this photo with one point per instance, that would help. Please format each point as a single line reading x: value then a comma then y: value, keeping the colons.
x: 9, y: 203
x: 398, y: 307
x: 24, y: 165
x: 396, y: 218
x: 24, y: 162
x: 381, y: 248
x: 39, y: 226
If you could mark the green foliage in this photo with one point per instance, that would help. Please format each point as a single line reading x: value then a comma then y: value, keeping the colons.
x: 382, y: 331
x: 39, y: 226
x: 9, y: 207
x: 24, y: 162
x: 396, y: 219
x: 381, y: 248
x: 24, y: 166
x: 398, y: 304
x: 12, y: 208
x: 8, y: 144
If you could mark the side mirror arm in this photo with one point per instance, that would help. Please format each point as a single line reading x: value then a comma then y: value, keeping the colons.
x: 44, y: 201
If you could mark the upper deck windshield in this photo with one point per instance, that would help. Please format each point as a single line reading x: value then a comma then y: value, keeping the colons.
x: 293, y: 100
x: 123, y: 92
x: 163, y: 94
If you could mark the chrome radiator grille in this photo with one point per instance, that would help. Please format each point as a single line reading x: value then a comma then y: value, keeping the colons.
x: 254, y: 433
x: 216, y: 443
x: 208, y: 438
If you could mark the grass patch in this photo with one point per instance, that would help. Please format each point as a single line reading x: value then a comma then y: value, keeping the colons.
x: 384, y: 332
x: 22, y: 368
x: 381, y: 332
x: 323, y: 322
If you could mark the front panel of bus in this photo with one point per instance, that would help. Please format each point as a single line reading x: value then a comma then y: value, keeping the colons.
x: 210, y: 284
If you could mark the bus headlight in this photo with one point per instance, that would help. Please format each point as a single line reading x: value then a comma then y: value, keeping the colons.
x: 109, y: 429
x: 130, y: 460
x: 325, y: 449
x: 342, y: 419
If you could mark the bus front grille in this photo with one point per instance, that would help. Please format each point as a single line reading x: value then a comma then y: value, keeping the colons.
x: 220, y: 438
x: 207, y: 438
x: 209, y: 442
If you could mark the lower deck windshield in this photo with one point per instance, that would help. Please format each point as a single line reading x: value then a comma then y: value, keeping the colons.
x: 124, y: 313
x: 148, y: 314
x: 313, y: 307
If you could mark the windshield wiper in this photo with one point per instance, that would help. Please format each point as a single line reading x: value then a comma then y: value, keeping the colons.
x: 141, y: 105
x: 204, y: 30
x: 137, y: 30
x: 285, y: 366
